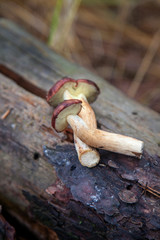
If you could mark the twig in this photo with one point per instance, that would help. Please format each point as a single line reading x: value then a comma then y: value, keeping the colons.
x: 150, y: 190
x: 145, y: 64
x: 5, y: 114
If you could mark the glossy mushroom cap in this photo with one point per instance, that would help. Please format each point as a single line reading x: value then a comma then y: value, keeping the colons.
x: 62, y: 111
x: 75, y: 87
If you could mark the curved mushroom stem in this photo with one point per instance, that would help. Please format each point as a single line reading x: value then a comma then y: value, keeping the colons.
x: 86, y: 113
x: 105, y: 140
x: 87, y: 156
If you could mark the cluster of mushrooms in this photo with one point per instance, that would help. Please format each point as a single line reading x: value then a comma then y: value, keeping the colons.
x: 71, y: 100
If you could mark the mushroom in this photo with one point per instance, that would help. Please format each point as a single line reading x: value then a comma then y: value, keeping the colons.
x: 82, y: 89
x: 86, y: 91
x: 66, y: 113
x: 88, y: 156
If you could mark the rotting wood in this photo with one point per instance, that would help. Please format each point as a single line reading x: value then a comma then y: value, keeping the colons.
x: 7, y: 232
x: 72, y: 200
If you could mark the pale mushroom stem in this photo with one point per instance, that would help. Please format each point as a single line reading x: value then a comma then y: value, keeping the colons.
x: 88, y: 156
x: 86, y: 113
x: 105, y: 140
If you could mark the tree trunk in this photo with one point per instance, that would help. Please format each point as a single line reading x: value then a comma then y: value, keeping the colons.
x: 41, y: 179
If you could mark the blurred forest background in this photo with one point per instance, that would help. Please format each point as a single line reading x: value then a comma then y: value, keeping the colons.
x: 117, y: 39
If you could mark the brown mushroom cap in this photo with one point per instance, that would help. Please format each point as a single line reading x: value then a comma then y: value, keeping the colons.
x: 62, y: 111
x: 75, y: 87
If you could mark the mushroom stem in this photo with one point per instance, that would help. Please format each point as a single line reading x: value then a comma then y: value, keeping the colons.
x: 88, y: 156
x: 86, y: 113
x: 105, y: 140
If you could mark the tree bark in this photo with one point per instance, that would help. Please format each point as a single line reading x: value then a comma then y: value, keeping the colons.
x: 7, y: 232
x: 40, y: 175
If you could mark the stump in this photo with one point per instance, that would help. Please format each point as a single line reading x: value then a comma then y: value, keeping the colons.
x: 41, y: 179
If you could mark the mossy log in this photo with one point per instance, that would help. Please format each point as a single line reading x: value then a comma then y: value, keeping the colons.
x: 41, y: 179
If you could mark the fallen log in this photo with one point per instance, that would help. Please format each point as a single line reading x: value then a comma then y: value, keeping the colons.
x: 41, y: 179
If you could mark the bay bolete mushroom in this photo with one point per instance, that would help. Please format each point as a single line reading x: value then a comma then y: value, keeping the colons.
x: 62, y: 111
x: 88, y: 156
x: 82, y: 89
x: 94, y: 137
x: 75, y: 87
x: 86, y: 91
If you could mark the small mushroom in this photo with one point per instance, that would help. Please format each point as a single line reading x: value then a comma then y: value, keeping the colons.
x: 86, y: 91
x: 75, y: 87
x: 88, y: 157
x: 82, y: 89
x: 65, y: 113
x: 62, y: 111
